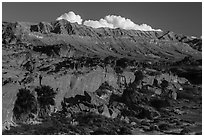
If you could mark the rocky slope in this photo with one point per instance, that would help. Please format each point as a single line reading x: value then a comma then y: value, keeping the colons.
x: 80, y: 40
x: 107, y: 75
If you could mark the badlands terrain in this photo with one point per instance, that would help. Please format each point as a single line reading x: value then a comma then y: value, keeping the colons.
x: 65, y: 78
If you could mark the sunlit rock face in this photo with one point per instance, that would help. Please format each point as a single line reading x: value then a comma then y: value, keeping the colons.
x: 68, y: 85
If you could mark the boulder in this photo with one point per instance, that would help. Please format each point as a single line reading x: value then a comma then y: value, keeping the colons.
x: 96, y: 100
x: 8, y: 98
x: 116, y: 108
x: 129, y: 76
x: 114, y: 112
x: 83, y: 107
x: 148, y: 112
x: 126, y: 119
x: 157, y: 91
x: 105, y: 111
x: 148, y: 80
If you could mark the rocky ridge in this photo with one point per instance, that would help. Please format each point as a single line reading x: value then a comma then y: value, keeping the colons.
x: 103, y: 41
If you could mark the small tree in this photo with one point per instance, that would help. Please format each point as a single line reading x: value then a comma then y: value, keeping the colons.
x: 25, y: 105
x: 45, y: 98
x: 138, y: 80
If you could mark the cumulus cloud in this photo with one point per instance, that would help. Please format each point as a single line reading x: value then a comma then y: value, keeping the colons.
x: 112, y: 21
x: 71, y: 17
x: 98, y: 24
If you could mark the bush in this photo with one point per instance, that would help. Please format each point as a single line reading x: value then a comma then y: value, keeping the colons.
x: 122, y: 62
x: 25, y: 105
x: 138, y: 75
x: 45, y: 98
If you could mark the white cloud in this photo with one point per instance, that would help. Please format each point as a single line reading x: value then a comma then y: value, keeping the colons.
x: 71, y: 17
x: 110, y: 21
x: 113, y: 21
x: 98, y: 24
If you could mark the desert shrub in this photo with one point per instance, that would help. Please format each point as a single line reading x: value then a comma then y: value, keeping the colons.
x: 118, y: 70
x: 109, y: 60
x: 164, y: 84
x: 122, y: 62
x: 45, y: 98
x: 131, y: 96
x: 25, y: 105
x: 138, y: 79
x: 138, y: 75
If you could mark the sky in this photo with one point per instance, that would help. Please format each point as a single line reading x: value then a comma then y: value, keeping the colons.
x: 183, y: 17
